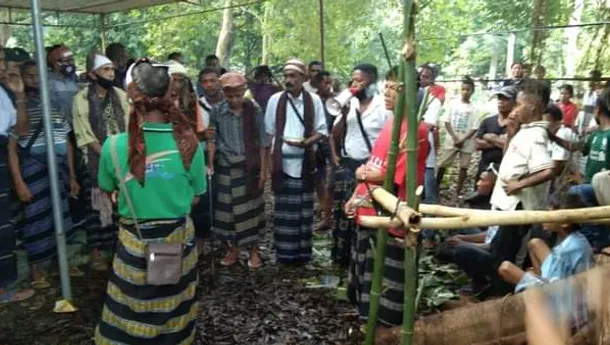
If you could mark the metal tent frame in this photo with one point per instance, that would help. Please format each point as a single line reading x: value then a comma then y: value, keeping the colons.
x: 100, y: 7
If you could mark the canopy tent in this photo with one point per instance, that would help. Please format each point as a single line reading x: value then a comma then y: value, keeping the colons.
x: 87, y: 6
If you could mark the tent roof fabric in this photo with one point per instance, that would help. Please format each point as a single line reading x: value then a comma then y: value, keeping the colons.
x: 86, y: 6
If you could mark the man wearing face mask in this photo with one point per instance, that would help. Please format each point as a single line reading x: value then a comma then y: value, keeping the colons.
x: 100, y: 110
x: 62, y: 78
x: 360, y: 128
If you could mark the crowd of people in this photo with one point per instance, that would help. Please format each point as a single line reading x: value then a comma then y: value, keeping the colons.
x: 151, y: 164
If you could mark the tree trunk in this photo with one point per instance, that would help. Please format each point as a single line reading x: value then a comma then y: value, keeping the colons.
x: 5, y: 30
x: 225, y: 38
x: 266, y: 37
x: 572, y: 38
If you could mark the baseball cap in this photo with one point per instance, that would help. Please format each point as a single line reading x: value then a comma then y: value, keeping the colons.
x: 509, y: 92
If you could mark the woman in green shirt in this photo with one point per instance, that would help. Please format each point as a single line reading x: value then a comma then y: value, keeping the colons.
x: 164, y: 173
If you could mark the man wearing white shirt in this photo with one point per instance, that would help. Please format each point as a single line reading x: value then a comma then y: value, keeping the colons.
x: 585, y: 121
x: 359, y: 131
x: 13, y: 113
x: 525, y: 171
x: 295, y: 122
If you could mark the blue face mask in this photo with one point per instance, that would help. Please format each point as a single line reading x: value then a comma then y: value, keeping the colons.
x: 68, y: 70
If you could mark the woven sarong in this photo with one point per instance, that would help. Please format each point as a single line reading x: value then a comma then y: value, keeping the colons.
x: 36, y: 227
x: 361, y: 276
x: 293, y: 222
x: 137, y: 313
x: 8, y: 263
x: 238, y: 216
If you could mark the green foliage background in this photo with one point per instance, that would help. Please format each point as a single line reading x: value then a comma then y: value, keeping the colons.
x: 352, y: 33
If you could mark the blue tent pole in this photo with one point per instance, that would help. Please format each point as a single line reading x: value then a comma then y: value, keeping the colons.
x: 58, y: 222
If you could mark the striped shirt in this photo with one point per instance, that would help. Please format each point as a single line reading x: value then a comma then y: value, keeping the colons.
x: 61, y: 129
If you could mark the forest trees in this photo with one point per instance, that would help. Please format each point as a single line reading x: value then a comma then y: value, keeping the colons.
x: 272, y: 31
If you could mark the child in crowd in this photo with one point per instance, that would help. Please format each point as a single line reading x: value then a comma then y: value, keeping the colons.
x: 595, y: 147
x: 568, y: 108
x: 571, y: 255
x: 461, y: 125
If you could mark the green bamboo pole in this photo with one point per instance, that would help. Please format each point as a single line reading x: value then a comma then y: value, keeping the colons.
x: 410, y: 260
x: 382, y: 234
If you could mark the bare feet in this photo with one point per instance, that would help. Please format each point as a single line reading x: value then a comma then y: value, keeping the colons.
x: 255, y: 261
x: 15, y: 296
x: 231, y: 257
x: 39, y: 278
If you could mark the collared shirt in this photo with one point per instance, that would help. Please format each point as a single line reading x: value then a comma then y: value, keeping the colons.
x: 373, y: 119
x: 292, y: 157
x: 80, y: 120
x: 8, y: 113
x: 527, y: 154
x: 229, y: 137
x: 62, y: 91
x: 309, y: 88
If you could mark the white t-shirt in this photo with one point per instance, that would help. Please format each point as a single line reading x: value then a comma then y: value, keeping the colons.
x: 8, y: 113
x: 526, y: 154
x: 557, y: 152
x: 431, y: 117
x: 373, y: 119
x: 463, y: 119
x: 292, y: 157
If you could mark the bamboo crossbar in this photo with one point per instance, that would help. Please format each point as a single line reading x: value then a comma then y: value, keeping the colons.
x: 493, y: 218
x: 400, y: 209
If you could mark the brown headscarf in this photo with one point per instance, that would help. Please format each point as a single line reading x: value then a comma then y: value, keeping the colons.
x: 183, y: 134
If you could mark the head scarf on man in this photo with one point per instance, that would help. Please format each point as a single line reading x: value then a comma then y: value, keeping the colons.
x: 295, y: 65
x: 148, y: 89
x: 232, y: 80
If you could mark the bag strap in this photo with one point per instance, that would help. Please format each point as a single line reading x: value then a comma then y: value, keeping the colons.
x: 294, y: 108
x: 363, y: 132
x: 35, y: 135
x: 122, y: 185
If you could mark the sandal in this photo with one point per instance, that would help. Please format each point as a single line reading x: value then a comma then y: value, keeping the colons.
x: 16, y: 296
x: 76, y: 272
x: 40, y: 283
x: 229, y: 260
x: 98, y: 264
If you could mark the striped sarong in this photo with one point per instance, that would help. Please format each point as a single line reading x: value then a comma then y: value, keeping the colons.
x: 36, y: 227
x: 8, y: 263
x: 293, y: 222
x: 238, y: 216
x: 361, y: 276
x: 343, y: 227
x: 137, y: 313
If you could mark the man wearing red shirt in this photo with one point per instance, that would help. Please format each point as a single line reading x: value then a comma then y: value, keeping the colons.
x: 568, y: 108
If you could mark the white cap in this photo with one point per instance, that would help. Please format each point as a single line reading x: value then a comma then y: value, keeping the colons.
x: 101, y: 61
x: 174, y: 67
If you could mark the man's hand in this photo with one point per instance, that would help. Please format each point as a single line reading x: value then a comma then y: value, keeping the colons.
x: 350, y: 208
x: 300, y: 144
x: 74, y: 188
x: 210, y: 170
x: 23, y: 192
x: 512, y: 187
x: 14, y: 81
x: 361, y: 173
x: 490, y: 137
x: 458, y: 142
x: 455, y: 240
x: 336, y: 160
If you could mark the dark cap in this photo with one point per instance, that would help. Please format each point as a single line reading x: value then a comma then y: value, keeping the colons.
x: 151, y: 80
x: 509, y: 92
x: 16, y: 55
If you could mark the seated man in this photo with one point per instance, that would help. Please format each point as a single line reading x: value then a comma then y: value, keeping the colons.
x: 571, y: 255
x: 469, y: 249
